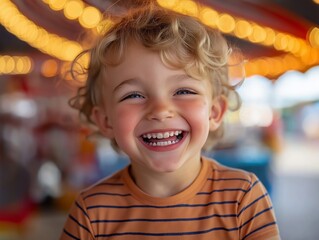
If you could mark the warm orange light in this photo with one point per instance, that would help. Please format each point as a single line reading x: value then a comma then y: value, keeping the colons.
x: 313, y: 37
x: 26, y: 30
x: 226, y: 23
x: 15, y: 65
x: 258, y: 34
x: 167, y: 4
x: 56, y: 4
x: 243, y: 29
x: 270, y: 37
x: 209, y: 17
x: 73, y: 9
x: 49, y: 68
x: 90, y: 17
x: 187, y: 7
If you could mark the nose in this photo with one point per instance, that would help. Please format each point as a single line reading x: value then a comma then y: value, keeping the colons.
x: 160, y: 110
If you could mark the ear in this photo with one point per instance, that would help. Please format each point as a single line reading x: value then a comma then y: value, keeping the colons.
x: 218, y: 110
x: 102, y: 121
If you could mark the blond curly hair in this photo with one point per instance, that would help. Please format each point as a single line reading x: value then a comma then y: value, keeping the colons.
x: 183, y: 42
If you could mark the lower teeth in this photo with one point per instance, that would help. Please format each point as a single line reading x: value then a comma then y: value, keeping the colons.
x: 165, y: 143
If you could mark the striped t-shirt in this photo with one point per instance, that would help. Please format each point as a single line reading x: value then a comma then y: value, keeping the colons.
x: 222, y: 203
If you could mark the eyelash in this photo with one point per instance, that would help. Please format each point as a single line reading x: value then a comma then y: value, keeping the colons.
x: 184, y: 92
x: 135, y: 95
x: 132, y: 96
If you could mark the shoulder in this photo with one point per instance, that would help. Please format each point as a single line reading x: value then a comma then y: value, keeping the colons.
x: 221, y: 172
x: 110, y: 186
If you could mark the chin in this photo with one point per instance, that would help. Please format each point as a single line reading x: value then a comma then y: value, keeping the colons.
x: 166, y: 168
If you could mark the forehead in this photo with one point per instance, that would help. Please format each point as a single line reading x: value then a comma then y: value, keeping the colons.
x: 140, y: 62
x: 137, y: 61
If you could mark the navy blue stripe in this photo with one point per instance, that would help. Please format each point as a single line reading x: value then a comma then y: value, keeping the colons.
x: 264, y: 226
x: 167, y: 234
x: 228, y: 179
x: 107, y: 194
x: 165, y: 219
x: 251, y: 187
x: 254, y: 184
x: 230, y: 170
x: 168, y: 206
x: 222, y: 190
x: 82, y: 226
x: 78, y: 205
x: 256, y: 215
x: 253, y: 202
x: 70, y: 235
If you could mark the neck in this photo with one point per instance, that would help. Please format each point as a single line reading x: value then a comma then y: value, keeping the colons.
x: 165, y: 184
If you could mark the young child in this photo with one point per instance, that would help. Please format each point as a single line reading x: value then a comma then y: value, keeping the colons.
x: 157, y: 85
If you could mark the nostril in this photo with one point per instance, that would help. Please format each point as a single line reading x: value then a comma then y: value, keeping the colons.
x: 160, y: 115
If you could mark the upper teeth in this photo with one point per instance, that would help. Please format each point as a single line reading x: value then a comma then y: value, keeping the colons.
x: 162, y: 135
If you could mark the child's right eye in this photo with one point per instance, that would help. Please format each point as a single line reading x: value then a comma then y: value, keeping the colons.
x: 132, y: 96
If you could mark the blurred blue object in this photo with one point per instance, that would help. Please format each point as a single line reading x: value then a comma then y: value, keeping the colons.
x: 249, y: 158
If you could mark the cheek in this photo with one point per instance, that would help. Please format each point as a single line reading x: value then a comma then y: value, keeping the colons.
x: 197, y: 114
x: 197, y: 110
x: 124, y: 120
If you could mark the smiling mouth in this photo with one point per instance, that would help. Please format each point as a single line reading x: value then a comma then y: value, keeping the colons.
x: 163, y: 139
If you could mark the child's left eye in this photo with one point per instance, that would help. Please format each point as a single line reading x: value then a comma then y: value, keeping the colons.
x: 133, y: 95
x: 184, y: 92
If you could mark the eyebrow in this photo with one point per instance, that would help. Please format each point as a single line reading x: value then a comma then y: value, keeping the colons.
x: 176, y: 77
x: 125, y: 82
x: 183, y: 77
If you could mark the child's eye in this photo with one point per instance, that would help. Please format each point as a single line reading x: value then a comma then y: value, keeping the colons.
x: 184, y: 92
x: 132, y: 96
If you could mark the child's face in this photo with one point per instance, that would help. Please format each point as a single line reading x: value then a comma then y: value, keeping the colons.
x: 159, y: 116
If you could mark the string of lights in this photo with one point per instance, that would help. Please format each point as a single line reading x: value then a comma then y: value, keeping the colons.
x: 298, y: 54
x: 15, y: 64
x: 19, y: 25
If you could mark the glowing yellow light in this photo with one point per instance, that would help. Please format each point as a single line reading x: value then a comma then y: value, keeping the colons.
x: 270, y: 37
x: 10, y: 64
x: 280, y: 41
x: 209, y: 17
x: 258, y: 34
x: 242, y: 29
x: 70, y: 50
x: 19, y: 65
x: 73, y: 9
x: 90, y: 17
x: 2, y: 64
x: 56, y: 4
x: 187, y: 7
x: 226, y: 23
x: 167, y: 4
x: 17, y: 24
x: 291, y: 43
x: 313, y: 37
x: 15, y: 65
x: 28, y: 64
x: 297, y: 46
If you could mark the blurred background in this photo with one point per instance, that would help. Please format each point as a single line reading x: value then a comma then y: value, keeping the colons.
x: 46, y: 156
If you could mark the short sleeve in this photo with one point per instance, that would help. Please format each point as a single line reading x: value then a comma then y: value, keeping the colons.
x: 77, y: 225
x: 255, y: 213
